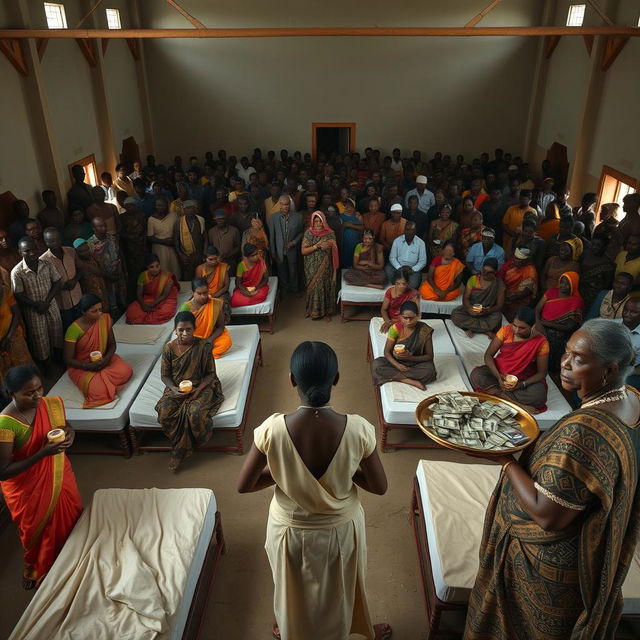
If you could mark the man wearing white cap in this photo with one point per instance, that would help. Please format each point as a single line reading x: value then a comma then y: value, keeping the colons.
x: 392, y: 228
x: 486, y: 248
x: 426, y: 199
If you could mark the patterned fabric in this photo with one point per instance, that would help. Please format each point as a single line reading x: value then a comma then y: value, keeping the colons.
x: 320, y: 275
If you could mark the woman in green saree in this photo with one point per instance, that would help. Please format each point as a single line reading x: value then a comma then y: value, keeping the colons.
x: 562, y: 525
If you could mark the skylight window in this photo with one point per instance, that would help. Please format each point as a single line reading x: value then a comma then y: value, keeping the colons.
x: 576, y: 15
x: 113, y: 19
x: 56, y: 18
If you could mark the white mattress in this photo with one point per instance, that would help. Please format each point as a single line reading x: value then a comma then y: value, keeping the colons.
x: 244, y: 343
x: 440, y: 307
x: 472, y: 351
x: 441, y: 340
x: 235, y: 377
x: 262, y: 309
x: 454, y: 500
x: 116, y: 417
x: 351, y: 293
x: 91, y: 592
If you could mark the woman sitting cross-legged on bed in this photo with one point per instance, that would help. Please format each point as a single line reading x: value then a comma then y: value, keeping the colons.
x: 252, y: 279
x: 210, y: 318
x: 37, y: 481
x: 481, y: 310
x: 185, y: 416
x: 517, y: 350
x: 157, y: 296
x: 444, y: 276
x: 368, y: 264
x: 395, y: 296
x: 89, y: 353
x: 408, y: 353
x: 215, y: 272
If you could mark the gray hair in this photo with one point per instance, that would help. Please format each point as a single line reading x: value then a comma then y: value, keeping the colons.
x: 611, y: 342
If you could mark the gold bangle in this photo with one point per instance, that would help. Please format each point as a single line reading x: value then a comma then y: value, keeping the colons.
x: 504, y: 468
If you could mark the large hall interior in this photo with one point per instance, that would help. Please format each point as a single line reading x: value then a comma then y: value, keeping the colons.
x: 384, y: 257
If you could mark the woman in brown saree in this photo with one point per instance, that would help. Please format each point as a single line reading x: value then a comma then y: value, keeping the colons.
x: 481, y: 310
x: 408, y: 353
x: 368, y: 263
x: 185, y: 415
x: 562, y: 525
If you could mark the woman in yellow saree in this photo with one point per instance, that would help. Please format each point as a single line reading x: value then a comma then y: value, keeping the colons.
x: 215, y: 272
x: 210, y: 318
x: 89, y: 353
x: 13, y: 346
x: 37, y: 481
x: 444, y: 276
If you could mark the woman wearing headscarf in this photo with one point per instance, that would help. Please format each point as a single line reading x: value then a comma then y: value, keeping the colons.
x: 321, y: 261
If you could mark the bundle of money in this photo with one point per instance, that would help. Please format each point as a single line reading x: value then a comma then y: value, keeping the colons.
x: 480, y: 425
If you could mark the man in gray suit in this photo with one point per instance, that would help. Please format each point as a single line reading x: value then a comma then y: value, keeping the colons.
x: 285, y: 235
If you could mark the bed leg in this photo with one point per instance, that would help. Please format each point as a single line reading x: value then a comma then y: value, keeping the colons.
x: 260, y: 360
x: 434, y: 625
x: 124, y: 443
x: 342, y: 311
x: 135, y: 445
x: 240, y: 440
x: 383, y: 439
x: 220, y: 536
x: 270, y: 316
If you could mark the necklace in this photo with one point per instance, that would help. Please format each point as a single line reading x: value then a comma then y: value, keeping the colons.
x: 609, y: 396
x: 316, y: 409
x: 26, y: 420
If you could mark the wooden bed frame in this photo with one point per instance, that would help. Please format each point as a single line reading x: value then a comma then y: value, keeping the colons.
x: 136, y: 433
x: 123, y: 440
x: 271, y: 317
x: 357, y: 316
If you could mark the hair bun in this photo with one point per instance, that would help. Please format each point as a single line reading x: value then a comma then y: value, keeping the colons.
x: 318, y: 396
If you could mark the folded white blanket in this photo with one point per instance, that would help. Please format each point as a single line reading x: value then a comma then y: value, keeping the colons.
x: 139, y: 333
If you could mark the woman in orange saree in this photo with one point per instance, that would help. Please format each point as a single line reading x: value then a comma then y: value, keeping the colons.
x: 13, y: 346
x: 37, y: 481
x: 444, y: 277
x: 89, y: 353
x: 210, y: 318
x: 520, y: 279
x: 215, y: 272
x: 157, y: 296
x: 252, y: 279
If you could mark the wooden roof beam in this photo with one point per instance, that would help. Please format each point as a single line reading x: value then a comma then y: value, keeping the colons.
x: 603, y: 16
x: 306, y: 32
x: 194, y: 21
x: 89, y: 14
x: 12, y: 49
x: 490, y: 7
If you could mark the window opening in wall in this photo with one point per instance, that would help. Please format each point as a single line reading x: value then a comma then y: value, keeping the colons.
x: 113, y: 19
x: 88, y: 163
x: 614, y: 186
x: 56, y: 17
x: 576, y: 15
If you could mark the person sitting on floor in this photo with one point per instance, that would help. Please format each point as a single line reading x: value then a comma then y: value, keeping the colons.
x: 209, y: 317
x: 520, y: 280
x: 185, y: 415
x: 215, y: 272
x: 368, y: 264
x: 444, y: 276
x: 609, y: 304
x: 408, y: 251
x: 157, y: 295
x: 252, y: 279
x: 408, y: 352
x: 90, y: 354
x: 482, y: 303
x: 516, y: 351
x: 395, y: 296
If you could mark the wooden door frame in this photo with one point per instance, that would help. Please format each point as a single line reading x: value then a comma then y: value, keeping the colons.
x: 332, y: 125
x: 616, y: 175
x: 90, y: 159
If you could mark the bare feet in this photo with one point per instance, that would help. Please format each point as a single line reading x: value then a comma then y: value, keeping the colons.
x: 28, y: 584
x: 413, y: 383
x: 174, y: 464
x: 469, y: 333
x: 383, y: 631
x: 276, y: 631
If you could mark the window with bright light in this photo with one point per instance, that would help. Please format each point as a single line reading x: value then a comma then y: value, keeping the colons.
x: 576, y: 15
x: 614, y: 186
x: 113, y: 19
x: 56, y: 18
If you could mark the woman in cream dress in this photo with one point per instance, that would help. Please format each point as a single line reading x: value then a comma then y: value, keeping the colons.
x: 160, y: 230
x: 316, y: 541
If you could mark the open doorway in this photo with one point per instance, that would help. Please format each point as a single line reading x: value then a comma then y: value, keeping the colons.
x: 614, y: 186
x: 332, y: 137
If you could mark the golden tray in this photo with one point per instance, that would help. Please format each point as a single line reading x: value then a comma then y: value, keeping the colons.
x: 528, y: 424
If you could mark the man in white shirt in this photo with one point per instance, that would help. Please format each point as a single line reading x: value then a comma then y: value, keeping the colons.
x: 426, y: 199
x: 407, y: 251
x: 244, y: 170
x: 396, y: 161
x: 631, y: 320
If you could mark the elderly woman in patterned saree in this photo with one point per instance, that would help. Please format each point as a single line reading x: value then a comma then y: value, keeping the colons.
x: 395, y: 296
x: 13, y: 346
x: 441, y: 229
x: 482, y: 302
x: 36, y: 478
x: 157, y: 295
x: 252, y: 279
x: 210, y: 319
x: 257, y: 236
x: 368, y: 263
x: 408, y: 352
x: 559, y: 313
x: 520, y: 279
x: 321, y: 262
x: 444, y: 276
x: 517, y: 350
x: 185, y: 417
x: 90, y: 354
x: 562, y: 525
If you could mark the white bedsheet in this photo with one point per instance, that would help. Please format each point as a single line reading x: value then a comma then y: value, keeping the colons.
x: 262, y: 309
x: 439, y: 307
x: 244, y: 343
x: 125, y: 569
x: 441, y: 340
x: 472, y: 350
x: 115, y: 416
x: 234, y: 376
x: 351, y: 293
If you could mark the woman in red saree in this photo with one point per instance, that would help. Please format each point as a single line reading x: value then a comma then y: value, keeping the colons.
x: 517, y: 350
x: 100, y: 377
x: 252, y: 279
x: 157, y: 296
x: 37, y: 481
x: 395, y: 296
x: 444, y: 276
x: 559, y: 313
